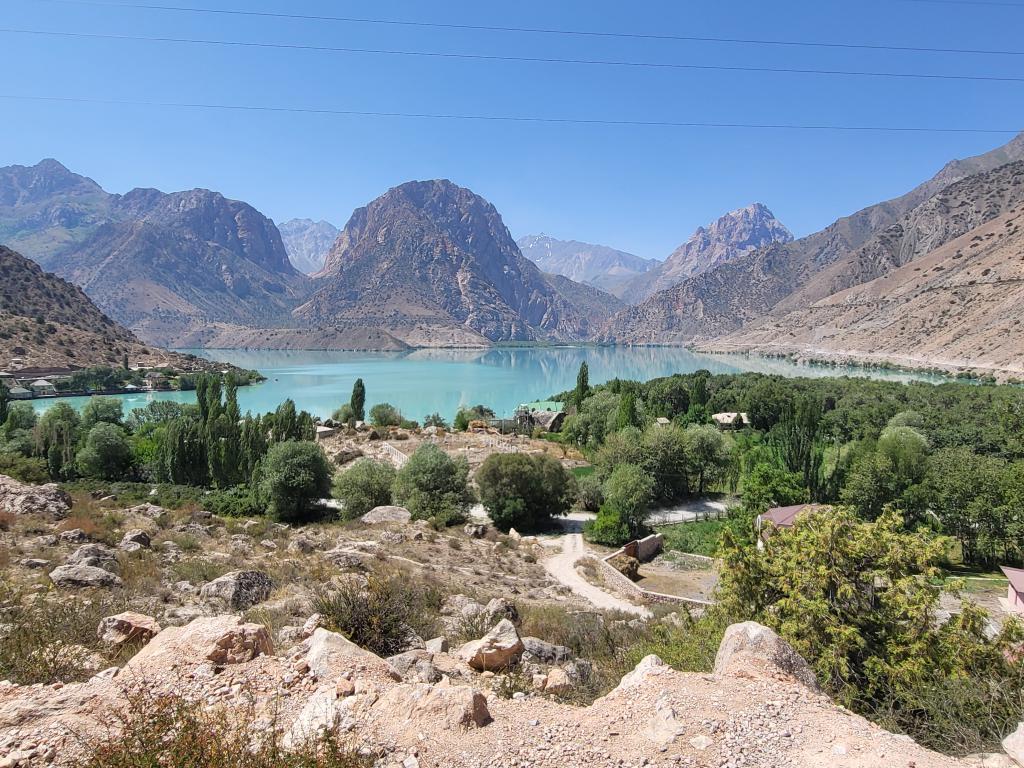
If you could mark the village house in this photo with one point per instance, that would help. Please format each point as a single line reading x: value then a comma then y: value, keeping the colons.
x: 43, y: 388
x: 1014, y: 600
x: 156, y: 381
x: 548, y: 415
x: 781, y: 517
x: 730, y: 420
x: 19, y: 393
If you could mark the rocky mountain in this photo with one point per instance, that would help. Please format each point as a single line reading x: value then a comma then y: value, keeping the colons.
x: 943, y: 286
x: 432, y: 264
x: 162, y: 264
x: 308, y: 243
x: 49, y: 323
x: 736, y: 233
x: 594, y: 305
x: 731, y: 295
x: 597, y: 265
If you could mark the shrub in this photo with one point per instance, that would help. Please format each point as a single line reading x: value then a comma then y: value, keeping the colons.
x: 344, y: 414
x: 171, y: 731
x: 590, y: 492
x: 384, y: 615
x: 432, y: 485
x: 435, y: 420
x: 27, y: 470
x: 294, y: 476
x: 699, y: 538
x: 240, y: 501
x: 102, y: 410
x: 107, y: 454
x: 363, y: 486
x: 385, y: 415
x: 524, y: 492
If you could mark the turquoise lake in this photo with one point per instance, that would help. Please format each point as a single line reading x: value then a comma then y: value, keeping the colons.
x: 427, y: 381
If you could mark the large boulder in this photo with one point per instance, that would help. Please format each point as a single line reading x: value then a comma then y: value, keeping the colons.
x: 416, y: 666
x: 499, y: 649
x: 48, y: 501
x: 545, y: 653
x: 387, y: 514
x: 95, y: 556
x: 237, y: 590
x: 127, y: 628
x: 415, y: 706
x: 134, y: 540
x: 751, y: 647
x: 1014, y: 744
x: 331, y: 656
x: 83, y: 576
x: 152, y: 511
x: 220, y: 640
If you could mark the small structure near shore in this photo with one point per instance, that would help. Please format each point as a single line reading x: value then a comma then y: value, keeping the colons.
x: 1014, y: 600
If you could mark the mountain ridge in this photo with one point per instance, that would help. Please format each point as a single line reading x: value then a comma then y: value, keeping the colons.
x: 601, y: 266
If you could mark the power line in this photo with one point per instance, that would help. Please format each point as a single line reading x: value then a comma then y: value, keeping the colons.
x: 518, y: 59
x: 504, y: 118
x: 551, y: 30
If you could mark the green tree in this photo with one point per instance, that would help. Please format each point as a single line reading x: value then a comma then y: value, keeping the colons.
x: 181, y: 458
x: 363, y: 486
x: 433, y: 486
x: 98, y: 410
x: 358, y: 400
x: 385, y: 415
x: 106, y: 454
x: 343, y: 414
x: 708, y: 455
x: 770, y: 486
x: 870, y: 485
x: 622, y: 517
x: 627, y: 415
x: 294, y: 475
x: 4, y: 400
x: 582, y: 391
x: 797, y: 440
x: 524, y: 491
x: 285, y: 423
x: 665, y: 457
x: 253, y: 438
x: 56, y: 436
x: 435, y: 420
x: 857, y: 600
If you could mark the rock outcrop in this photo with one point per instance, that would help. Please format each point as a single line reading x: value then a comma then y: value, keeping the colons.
x: 753, y: 716
x: 499, y: 649
x: 237, y: 590
x: 750, y: 647
x: 47, y: 501
x: 127, y: 628
x: 81, y: 576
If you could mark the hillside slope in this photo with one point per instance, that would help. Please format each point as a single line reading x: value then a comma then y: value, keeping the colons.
x: 432, y: 263
x: 308, y: 242
x: 942, y: 287
x: 50, y: 323
x: 731, y: 295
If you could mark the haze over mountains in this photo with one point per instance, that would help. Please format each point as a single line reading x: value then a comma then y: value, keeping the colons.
x: 928, y: 278
x: 308, y: 242
x: 597, y: 265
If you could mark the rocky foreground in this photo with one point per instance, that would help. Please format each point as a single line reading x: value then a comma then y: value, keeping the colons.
x: 761, y: 707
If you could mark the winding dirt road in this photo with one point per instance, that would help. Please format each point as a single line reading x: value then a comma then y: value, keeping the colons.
x: 562, y: 569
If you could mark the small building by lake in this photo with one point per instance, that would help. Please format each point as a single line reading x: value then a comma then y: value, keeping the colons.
x: 43, y: 388
x: 729, y: 420
x: 19, y: 393
x: 1014, y: 600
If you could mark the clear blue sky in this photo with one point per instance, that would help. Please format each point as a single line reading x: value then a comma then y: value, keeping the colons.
x: 643, y: 189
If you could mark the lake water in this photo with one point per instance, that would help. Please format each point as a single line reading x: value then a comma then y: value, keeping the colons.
x: 428, y: 381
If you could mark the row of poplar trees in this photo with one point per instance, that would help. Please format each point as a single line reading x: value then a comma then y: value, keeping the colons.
x: 216, y: 445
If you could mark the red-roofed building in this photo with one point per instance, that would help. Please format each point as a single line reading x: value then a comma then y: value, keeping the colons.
x: 1015, y: 592
x: 782, y: 517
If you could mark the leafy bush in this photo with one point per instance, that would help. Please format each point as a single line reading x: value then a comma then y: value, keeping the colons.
x: 344, y: 414
x: 698, y: 538
x: 384, y: 615
x: 524, y: 492
x: 102, y: 410
x: 385, y: 415
x: 240, y: 501
x: 27, y: 470
x: 363, y: 486
x: 433, y: 486
x: 294, y: 475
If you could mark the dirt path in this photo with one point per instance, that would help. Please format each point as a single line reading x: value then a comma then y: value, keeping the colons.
x: 562, y: 568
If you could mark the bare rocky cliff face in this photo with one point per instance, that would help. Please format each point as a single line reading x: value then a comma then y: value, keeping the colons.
x: 161, y: 264
x: 308, y: 242
x: 606, y: 268
x: 430, y: 260
x: 746, y: 289
x: 733, y: 235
